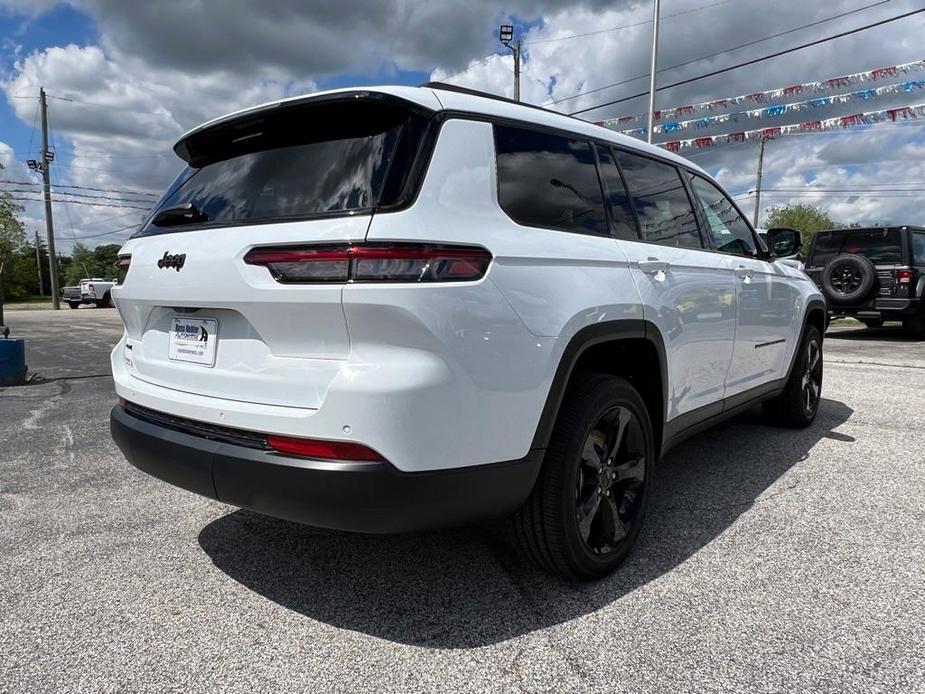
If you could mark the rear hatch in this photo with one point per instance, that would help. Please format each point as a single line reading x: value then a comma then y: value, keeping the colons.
x: 881, y: 246
x: 198, y: 318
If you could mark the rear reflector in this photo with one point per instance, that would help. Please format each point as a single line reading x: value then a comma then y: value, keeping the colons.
x: 372, y: 263
x: 325, y: 450
x: 904, y: 276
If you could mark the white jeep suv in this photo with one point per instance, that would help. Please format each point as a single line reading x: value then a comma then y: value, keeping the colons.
x: 392, y: 309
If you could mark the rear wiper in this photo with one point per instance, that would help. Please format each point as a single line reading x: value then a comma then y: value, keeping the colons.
x: 181, y: 214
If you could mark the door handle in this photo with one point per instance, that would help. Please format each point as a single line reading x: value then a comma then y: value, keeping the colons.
x: 744, y: 272
x: 653, y: 266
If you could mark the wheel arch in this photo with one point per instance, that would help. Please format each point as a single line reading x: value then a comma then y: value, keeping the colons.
x: 814, y: 315
x: 632, y: 349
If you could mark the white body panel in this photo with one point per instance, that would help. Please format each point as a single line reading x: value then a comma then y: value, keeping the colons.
x: 438, y: 376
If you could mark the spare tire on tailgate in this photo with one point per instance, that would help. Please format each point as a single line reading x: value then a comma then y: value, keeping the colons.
x: 848, y: 278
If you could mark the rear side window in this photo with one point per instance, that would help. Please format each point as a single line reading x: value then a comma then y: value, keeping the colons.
x: 621, y: 209
x: 294, y: 163
x: 918, y: 247
x: 662, y: 205
x: 880, y: 246
x: 549, y: 181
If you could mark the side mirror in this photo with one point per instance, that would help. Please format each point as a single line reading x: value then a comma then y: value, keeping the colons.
x: 783, y: 242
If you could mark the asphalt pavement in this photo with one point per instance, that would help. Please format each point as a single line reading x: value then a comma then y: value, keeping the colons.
x: 772, y: 561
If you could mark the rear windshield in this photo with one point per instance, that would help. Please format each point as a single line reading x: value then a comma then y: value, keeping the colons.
x: 880, y: 246
x: 295, y: 163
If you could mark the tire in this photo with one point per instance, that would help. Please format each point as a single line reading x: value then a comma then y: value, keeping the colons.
x: 73, y: 304
x: 872, y: 322
x: 797, y: 406
x: 107, y: 301
x: 915, y: 326
x: 567, y: 524
x: 848, y: 278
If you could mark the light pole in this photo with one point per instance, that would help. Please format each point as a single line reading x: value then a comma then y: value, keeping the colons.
x: 652, y: 71
x: 506, y: 36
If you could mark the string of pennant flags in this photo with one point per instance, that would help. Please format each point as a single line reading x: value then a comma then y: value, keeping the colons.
x: 778, y: 110
x: 888, y: 115
x: 678, y: 112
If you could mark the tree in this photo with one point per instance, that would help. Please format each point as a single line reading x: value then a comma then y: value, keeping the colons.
x: 12, y: 236
x: 805, y: 218
x: 100, y: 262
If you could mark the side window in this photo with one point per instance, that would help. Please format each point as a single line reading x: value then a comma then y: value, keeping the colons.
x: 621, y: 210
x: 918, y: 247
x: 662, y: 205
x: 550, y: 181
x: 730, y: 233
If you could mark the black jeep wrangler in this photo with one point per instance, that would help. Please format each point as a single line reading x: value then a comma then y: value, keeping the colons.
x: 873, y: 275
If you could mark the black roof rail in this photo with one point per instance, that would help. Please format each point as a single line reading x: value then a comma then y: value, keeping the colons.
x: 445, y: 86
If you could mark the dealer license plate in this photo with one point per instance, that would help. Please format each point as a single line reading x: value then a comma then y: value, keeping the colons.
x: 193, y: 340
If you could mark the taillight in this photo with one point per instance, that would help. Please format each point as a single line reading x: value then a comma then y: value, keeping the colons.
x: 372, y: 263
x: 903, y: 276
x: 324, y: 450
x: 122, y: 265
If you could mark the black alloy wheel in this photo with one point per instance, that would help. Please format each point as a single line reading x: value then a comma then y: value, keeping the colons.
x: 811, y: 383
x: 845, y: 278
x: 798, y: 404
x: 589, y: 503
x: 848, y: 278
x: 610, y: 482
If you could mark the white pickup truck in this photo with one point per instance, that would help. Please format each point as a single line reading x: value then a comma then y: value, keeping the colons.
x: 90, y: 291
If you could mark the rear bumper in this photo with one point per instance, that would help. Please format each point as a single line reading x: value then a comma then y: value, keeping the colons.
x: 885, y: 307
x: 361, y: 497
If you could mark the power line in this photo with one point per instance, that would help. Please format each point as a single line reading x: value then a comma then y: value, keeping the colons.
x: 100, y: 190
x: 628, y: 26
x: 105, y: 233
x: 19, y: 198
x: 723, y: 52
x: 106, y: 106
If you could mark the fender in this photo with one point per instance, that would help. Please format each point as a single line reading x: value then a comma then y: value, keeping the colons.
x: 580, y: 342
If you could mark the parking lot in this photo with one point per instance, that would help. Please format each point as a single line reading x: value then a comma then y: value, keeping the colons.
x: 773, y: 560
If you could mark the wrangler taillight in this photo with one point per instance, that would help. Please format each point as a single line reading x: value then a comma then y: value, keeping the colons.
x: 122, y: 265
x: 397, y: 262
x: 903, y: 276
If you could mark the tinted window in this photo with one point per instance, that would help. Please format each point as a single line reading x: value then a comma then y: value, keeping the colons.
x: 918, y: 247
x: 730, y: 233
x: 307, y: 161
x: 880, y: 246
x: 549, y: 181
x: 662, y: 205
x: 621, y: 210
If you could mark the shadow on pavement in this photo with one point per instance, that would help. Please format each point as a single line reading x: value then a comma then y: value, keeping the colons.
x: 888, y: 333
x: 466, y: 588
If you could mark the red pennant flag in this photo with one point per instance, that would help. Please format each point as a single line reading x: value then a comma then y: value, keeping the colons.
x: 796, y: 89
x: 810, y: 125
x: 625, y: 119
x: 770, y: 133
x: 735, y: 137
x: 838, y: 82
x: 882, y: 72
x: 900, y: 113
x: 848, y: 121
x: 702, y: 142
x: 673, y: 146
x: 757, y: 96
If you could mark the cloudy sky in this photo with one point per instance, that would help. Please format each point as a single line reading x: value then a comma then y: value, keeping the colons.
x: 126, y: 78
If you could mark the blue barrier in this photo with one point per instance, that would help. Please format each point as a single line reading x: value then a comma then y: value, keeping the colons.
x: 12, y: 362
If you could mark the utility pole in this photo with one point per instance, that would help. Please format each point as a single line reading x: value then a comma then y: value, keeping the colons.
x: 653, y: 69
x: 506, y: 35
x: 38, y: 264
x: 47, y: 158
x: 758, y: 183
